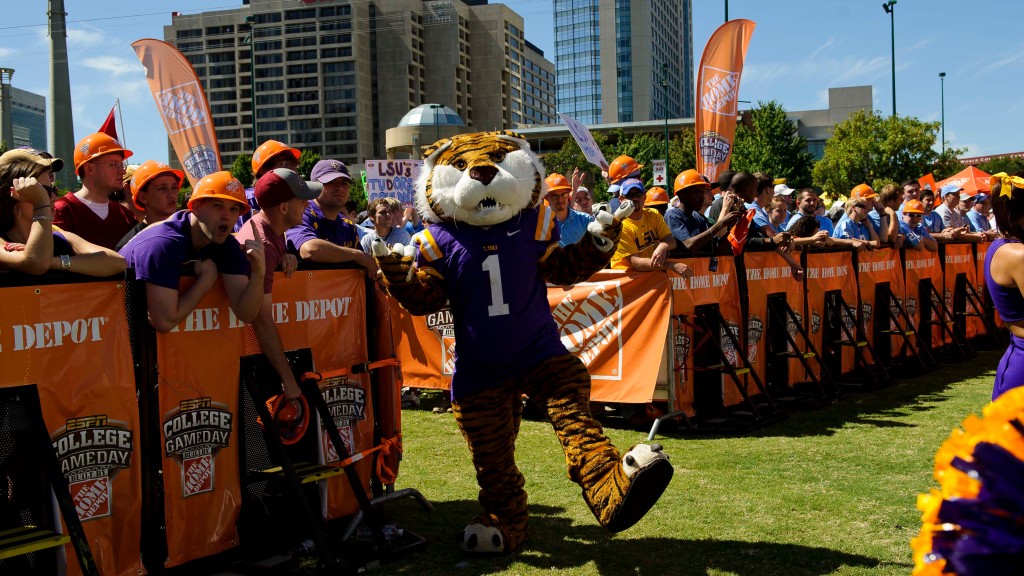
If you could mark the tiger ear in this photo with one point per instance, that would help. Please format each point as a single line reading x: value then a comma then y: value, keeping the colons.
x: 515, y: 138
x: 432, y: 151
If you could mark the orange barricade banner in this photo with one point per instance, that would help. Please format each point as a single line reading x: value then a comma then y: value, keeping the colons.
x: 767, y: 274
x: 979, y: 255
x: 826, y: 272
x: 718, y: 87
x: 389, y: 379
x: 71, y: 340
x: 876, y: 267
x: 616, y: 323
x: 705, y: 287
x: 182, y: 104
x: 959, y: 259
x: 918, y: 266
x: 199, y: 393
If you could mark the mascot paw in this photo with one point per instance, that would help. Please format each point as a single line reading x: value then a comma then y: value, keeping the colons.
x: 649, y: 473
x: 480, y: 539
x: 605, y: 228
x: 396, y: 263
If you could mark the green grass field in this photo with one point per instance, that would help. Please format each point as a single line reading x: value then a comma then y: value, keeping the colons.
x: 830, y: 491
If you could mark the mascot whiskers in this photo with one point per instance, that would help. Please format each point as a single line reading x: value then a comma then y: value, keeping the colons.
x: 488, y: 249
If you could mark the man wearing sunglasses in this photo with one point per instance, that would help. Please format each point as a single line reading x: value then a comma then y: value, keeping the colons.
x: 914, y: 231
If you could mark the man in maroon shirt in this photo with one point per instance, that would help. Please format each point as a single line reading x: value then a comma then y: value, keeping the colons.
x: 99, y: 162
x: 282, y: 195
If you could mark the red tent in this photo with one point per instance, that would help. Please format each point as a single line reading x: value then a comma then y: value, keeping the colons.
x: 970, y: 179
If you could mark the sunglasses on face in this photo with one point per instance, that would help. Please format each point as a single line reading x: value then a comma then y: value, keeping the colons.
x: 916, y: 215
x: 860, y: 205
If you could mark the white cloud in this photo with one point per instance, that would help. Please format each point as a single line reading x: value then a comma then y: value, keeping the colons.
x: 111, y: 64
x: 6, y: 52
x: 81, y: 38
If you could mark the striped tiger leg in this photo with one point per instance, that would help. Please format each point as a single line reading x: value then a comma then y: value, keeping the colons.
x: 490, y: 421
x: 561, y: 386
x: 620, y: 490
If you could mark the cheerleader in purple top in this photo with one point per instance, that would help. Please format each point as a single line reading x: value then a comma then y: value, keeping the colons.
x: 1004, y: 275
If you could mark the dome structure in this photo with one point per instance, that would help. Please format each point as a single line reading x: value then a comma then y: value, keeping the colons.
x: 431, y: 115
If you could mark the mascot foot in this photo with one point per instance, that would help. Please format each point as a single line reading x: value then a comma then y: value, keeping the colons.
x: 649, y: 473
x: 480, y: 537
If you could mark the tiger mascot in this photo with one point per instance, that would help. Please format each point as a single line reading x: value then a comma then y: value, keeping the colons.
x: 488, y: 249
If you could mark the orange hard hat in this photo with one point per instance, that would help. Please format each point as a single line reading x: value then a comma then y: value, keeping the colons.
x: 688, y: 178
x: 95, y: 145
x: 621, y: 168
x: 219, y: 185
x: 656, y: 196
x: 290, y: 416
x: 147, y: 171
x: 556, y: 181
x: 862, y: 192
x: 268, y: 150
x: 913, y: 207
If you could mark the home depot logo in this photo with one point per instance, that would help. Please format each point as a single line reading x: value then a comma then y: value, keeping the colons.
x: 193, y: 434
x: 719, y: 91
x: 347, y: 405
x: 589, y: 319
x: 91, y: 450
x: 183, y: 107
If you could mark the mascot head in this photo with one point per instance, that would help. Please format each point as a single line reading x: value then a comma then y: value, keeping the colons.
x: 479, y: 179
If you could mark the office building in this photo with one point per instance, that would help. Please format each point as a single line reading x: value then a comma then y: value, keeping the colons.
x: 28, y: 119
x: 333, y: 76
x: 621, y: 61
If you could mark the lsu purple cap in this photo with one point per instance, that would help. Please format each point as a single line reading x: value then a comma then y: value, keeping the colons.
x: 330, y: 170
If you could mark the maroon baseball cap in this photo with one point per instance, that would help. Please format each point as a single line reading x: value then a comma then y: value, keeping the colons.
x: 281, y: 185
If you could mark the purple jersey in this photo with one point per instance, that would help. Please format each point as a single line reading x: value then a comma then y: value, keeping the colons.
x: 158, y: 252
x: 314, y: 225
x: 502, y: 320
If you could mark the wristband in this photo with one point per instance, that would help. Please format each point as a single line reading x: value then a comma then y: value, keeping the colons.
x: 41, y: 207
x: 41, y: 218
x: 65, y: 262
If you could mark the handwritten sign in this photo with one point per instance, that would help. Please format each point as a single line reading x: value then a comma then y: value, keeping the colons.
x: 586, y: 141
x: 392, y: 179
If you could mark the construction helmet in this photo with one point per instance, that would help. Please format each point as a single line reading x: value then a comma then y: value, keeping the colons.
x: 95, y: 145
x: 556, y: 181
x: 862, y: 192
x: 219, y: 185
x: 656, y: 196
x: 623, y: 167
x: 147, y: 171
x: 290, y: 416
x: 688, y: 178
x: 268, y: 150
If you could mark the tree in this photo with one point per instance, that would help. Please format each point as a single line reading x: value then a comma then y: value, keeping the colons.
x: 996, y: 165
x: 307, y: 161
x: 570, y: 156
x: 767, y: 141
x: 867, y: 148
x: 241, y: 169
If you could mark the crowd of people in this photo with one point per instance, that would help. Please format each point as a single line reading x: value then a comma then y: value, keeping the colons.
x: 124, y: 217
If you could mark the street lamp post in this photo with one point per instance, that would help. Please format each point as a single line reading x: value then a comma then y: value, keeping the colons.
x: 437, y: 125
x: 664, y: 87
x: 726, y: 10
x: 890, y: 9
x: 252, y: 75
x: 942, y: 92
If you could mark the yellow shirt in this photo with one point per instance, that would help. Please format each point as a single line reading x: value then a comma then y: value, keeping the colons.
x: 639, y: 238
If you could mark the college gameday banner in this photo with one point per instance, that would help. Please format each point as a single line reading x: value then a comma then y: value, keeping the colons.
x: 768, y: 275
x: 826, y: 272
x: 616, y: 323
x: 706, y: 286
x: 959, y: 259
x: 918, y: 266
x: 182, y: 105
x: 876, y: 267
x: 718, y: 87
x: 71, y: 341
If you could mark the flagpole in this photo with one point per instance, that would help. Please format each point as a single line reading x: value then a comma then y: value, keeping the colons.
x: 124, y: 141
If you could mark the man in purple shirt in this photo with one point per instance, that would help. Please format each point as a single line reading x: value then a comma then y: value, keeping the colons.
x: 202, y: 235
x: 324, y: 235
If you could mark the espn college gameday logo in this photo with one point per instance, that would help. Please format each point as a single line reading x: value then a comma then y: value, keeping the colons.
x: 91, y: 450
x: 589, y: 319
x: 442, y: 323
x: 193, y: 434
x: 347, y: 405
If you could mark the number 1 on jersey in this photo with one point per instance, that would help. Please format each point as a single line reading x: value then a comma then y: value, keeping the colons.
x: 498, y: 306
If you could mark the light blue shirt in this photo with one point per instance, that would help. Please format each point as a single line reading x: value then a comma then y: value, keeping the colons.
x: 574, y: 227
x: 875, y: 218
x: 396, y: 236
x: 913, y: 235
x: 977, y: 222
x: 847, y: 228
x: 760, y: 215
x: 933, y: 222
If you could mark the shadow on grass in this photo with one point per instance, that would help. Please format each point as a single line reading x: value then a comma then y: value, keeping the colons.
x: 557, y: 544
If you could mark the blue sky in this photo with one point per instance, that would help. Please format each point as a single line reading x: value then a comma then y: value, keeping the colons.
x: 799, y: 50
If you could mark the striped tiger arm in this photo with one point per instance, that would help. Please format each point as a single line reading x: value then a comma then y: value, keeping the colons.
x: 567, y: 265
x: 421, y: 294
